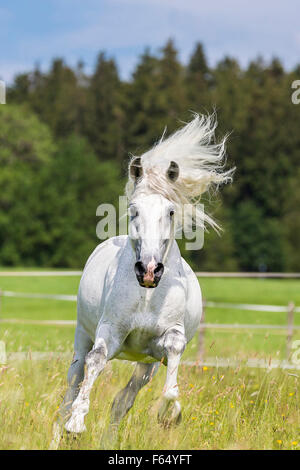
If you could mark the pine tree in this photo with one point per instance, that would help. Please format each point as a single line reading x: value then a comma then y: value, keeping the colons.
x: 198, y: 81
x: 56, y: 99
x: 171, y: 87
x: 105, y: 116
x: 156, y: 98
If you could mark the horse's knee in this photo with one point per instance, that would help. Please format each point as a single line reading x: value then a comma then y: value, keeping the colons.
x: 174, y: 343
x: 97, y: 356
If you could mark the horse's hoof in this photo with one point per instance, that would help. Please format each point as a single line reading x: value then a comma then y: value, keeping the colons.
x: 75, y: 425
x: 168, y: 423
x: 170, y: 414
x: 178, y: 419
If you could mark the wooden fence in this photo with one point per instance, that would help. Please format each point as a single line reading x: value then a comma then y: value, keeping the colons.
x: 290, y: 326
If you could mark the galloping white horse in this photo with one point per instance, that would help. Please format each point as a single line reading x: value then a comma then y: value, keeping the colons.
x: 138, y: 299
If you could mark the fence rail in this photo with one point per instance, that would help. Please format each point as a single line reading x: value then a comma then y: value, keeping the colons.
x: 25, y: 295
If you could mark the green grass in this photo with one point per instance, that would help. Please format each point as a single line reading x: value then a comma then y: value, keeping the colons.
x: 41, y: 285
x: 251, y: 291
x: 222, y: 409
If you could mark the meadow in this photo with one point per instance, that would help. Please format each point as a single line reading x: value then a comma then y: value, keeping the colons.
x: 223, y: 408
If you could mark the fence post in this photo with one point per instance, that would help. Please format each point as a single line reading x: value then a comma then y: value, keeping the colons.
x: 200, y: 353
x: 290, y: 328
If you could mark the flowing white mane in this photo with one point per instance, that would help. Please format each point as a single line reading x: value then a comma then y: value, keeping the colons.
x: 201, y: 164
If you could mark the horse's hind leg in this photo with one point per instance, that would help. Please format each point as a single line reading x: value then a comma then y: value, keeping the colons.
x: 124, y: 399
x: 83, y: 344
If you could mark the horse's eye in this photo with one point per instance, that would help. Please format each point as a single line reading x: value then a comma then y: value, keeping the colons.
x: 133, y: 215
x: 171, y: 213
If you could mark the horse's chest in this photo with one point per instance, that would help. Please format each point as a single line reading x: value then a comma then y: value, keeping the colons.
x: 149, y: 321
x: 145, y: 314
x: 144, y: 324
x: 139, y: 340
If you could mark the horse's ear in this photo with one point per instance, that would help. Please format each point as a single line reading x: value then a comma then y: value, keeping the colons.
x: 173, y: 171
x: 136, y: 169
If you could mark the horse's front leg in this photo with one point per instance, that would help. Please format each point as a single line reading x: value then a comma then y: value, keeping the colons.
x: 82, y: 346
x: 174, y: 343
x: 104, y: 349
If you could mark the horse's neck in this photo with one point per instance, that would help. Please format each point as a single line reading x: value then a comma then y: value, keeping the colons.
x: 174, y: 256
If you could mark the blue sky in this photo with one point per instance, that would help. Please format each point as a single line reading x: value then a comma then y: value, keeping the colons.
x: 35, y: 31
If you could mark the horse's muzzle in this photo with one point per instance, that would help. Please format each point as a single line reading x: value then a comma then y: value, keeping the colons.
x: 150, y: 275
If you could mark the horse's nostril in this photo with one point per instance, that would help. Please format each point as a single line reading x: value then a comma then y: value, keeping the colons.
x: 158, y: 271
x: 139, y: 268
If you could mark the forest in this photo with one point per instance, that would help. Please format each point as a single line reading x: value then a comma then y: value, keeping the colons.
x: 66, y: 136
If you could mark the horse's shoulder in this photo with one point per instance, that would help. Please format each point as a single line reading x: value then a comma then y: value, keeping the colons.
x: 187, y: 268
x: 112, y: 244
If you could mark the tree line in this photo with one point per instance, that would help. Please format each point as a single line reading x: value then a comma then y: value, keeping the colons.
x: 65, y: 136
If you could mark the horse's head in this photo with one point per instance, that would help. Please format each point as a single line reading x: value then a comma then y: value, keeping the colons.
x: 151, y: 228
